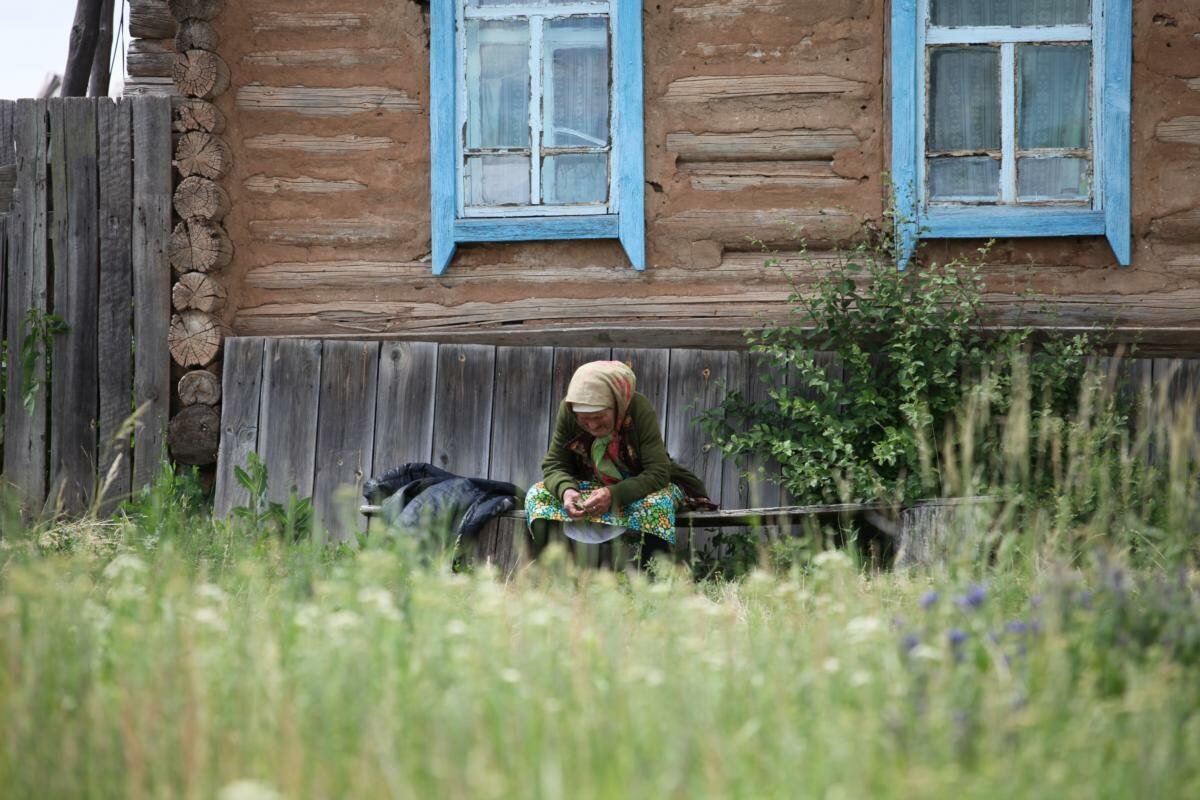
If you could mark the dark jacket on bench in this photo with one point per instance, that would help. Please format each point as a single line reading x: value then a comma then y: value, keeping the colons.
x: 569, y: 459
x: 414, y: 496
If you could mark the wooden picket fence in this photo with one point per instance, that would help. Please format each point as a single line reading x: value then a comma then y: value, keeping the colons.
x: 83, y: 249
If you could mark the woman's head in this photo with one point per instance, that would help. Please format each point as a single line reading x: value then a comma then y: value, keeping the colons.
x: 599, y: 394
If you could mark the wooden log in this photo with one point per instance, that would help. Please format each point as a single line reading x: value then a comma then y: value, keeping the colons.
x: 1180, y: 130
x: 196, y: 34
x: 203, y: 154
x: 151, y: 282
x: 198, y: 291
x: 194, y: 435
x: 787, y: 145
x: 706, y: 88
x: 201, y: 198
x: 150, y: 19
x: 199, y: 73
x: 199, y: 387
x: 150, y: 87
x: 150, y: 58
x: 310, y: 101
x: 287, y: 439
x: 194, y: 338
x: 751, y: 230
x: 360, y: 232
x: 404, y: 405
x: 199, y: 246
x: 732, y: 176
x: 195, y: 9
x: 345, y: 435
x: 198, y: 115
x: 241, y: 386
x: 301, y: 184
x: 342, y: 144
x: 315, y: 22
x: 324, y: 57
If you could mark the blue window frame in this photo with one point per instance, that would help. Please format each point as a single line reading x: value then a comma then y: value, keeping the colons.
x: 534, y: 134
x: 1010, y: 118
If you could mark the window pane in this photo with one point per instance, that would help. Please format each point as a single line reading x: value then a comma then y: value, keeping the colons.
x: 961, y: 13
x: 1053, y: 91
x: 964, y: 98
x: 964, y: 178
x: 497, y: 180
x: 576, y: 85
x: 497, y: 83
x: 575, y: 178
x: 1052, y: 178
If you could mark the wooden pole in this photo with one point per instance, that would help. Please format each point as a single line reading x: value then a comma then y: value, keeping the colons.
x: 85, y: 31
x: 102, y: 60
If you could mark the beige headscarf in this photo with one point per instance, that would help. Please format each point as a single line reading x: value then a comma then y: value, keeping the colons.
x: 603, y: 384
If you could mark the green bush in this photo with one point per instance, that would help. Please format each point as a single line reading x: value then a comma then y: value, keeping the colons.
x: 913, y: 355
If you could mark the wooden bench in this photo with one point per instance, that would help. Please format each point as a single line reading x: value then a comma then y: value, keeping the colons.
x: 919, y: 532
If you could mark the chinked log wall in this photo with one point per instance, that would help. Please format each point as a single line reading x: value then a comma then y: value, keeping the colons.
x: 764, y: 120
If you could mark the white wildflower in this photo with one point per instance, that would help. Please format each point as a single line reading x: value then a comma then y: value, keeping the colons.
x: 831, y: 559
x: 456, y: 627
x: 926, y: 653
x: 860, y: 678
x: 210, y: 592
x: 510, y: 675
x: 831, y: 665
x: 340, y: 621
x: 306, y: 615
x: 248, y: 790
x: 861, y: 629
x: 379, y: 600
x: 208, y: 616
x: 124, y: 565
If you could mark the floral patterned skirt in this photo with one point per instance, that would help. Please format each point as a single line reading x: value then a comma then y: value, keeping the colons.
x: 654, y: 513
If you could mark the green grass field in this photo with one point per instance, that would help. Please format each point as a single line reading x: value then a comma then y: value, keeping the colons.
x: 1055, y: 654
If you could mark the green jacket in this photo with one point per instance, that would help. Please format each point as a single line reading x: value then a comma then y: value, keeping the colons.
x: 569, y: 459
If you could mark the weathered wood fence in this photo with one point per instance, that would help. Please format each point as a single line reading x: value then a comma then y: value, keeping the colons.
x: 324, y: 415
x: 84, y: 241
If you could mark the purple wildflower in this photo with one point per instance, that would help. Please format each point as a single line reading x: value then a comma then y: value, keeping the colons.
x: 929, y: 600
x: 974, y: 597
x: 909, y: 642
x: 1017, y: 626
x: 957, y: 637
x: 1035, y: 601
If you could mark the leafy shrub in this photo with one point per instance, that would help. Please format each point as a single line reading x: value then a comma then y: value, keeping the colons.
x: 913, y: 356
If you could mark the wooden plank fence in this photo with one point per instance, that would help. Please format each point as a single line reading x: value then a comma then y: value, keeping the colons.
x: 325, y: 415
x: 83, y: 240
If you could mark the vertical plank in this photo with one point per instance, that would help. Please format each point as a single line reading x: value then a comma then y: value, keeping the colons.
x: 151, y: 281
x: 404, y: 407
x: 906, y: 50
x: 115, y: 327
x: 462, y: 411
x: 345, y: 435
x: 57, y: 215
x: 287, y: 440
x: 566, y: 361
x: 651, y: 366
x: 735, y: 486
x: 241, y: 397
x: 25, y: 429
x: 520, y: 414
x: 442, y: 139
x: 695, y: 378
x: 763, y: 489
x: 75, y: 393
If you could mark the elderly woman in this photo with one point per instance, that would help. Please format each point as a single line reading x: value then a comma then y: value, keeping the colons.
x: 607, y: 472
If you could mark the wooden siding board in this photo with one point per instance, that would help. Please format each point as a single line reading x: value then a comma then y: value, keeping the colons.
x: 75, y: 389
x: 521, y: 413
x: 651, y: 366
x: 694, y: 383
x: 151, y: 282
x: 287, y: 440
x: 735, y: 486
x: 463, y: 408
x: 762, y: 492
x: 25, y: 430
x: 345, y: 435
x: 1117, y: 38
x: 115, y: 326
x: 241, y: 399
x: 630, y: 164
x: 566, y: 361
x: 405, y: 403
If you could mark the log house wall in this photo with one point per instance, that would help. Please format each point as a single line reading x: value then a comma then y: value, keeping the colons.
x: 763, y: 117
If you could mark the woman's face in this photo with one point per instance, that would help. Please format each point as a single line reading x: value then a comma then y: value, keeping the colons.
x: 597, y: 423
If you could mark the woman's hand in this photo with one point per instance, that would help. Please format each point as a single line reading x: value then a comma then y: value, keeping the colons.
x: 598, y: 501
x: 573, y: 503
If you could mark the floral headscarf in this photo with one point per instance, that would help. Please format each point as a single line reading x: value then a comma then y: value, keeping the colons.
x: 609, y: 384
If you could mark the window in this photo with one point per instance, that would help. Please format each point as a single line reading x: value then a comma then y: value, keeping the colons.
x: 536, y: 123
x: 1011, y: 118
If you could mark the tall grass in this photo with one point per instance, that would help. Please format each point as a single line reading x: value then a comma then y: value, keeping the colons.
x: 1055, y: 653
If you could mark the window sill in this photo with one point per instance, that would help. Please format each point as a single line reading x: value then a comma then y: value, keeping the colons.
x: 525, y: 229
x: 986, y: 222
